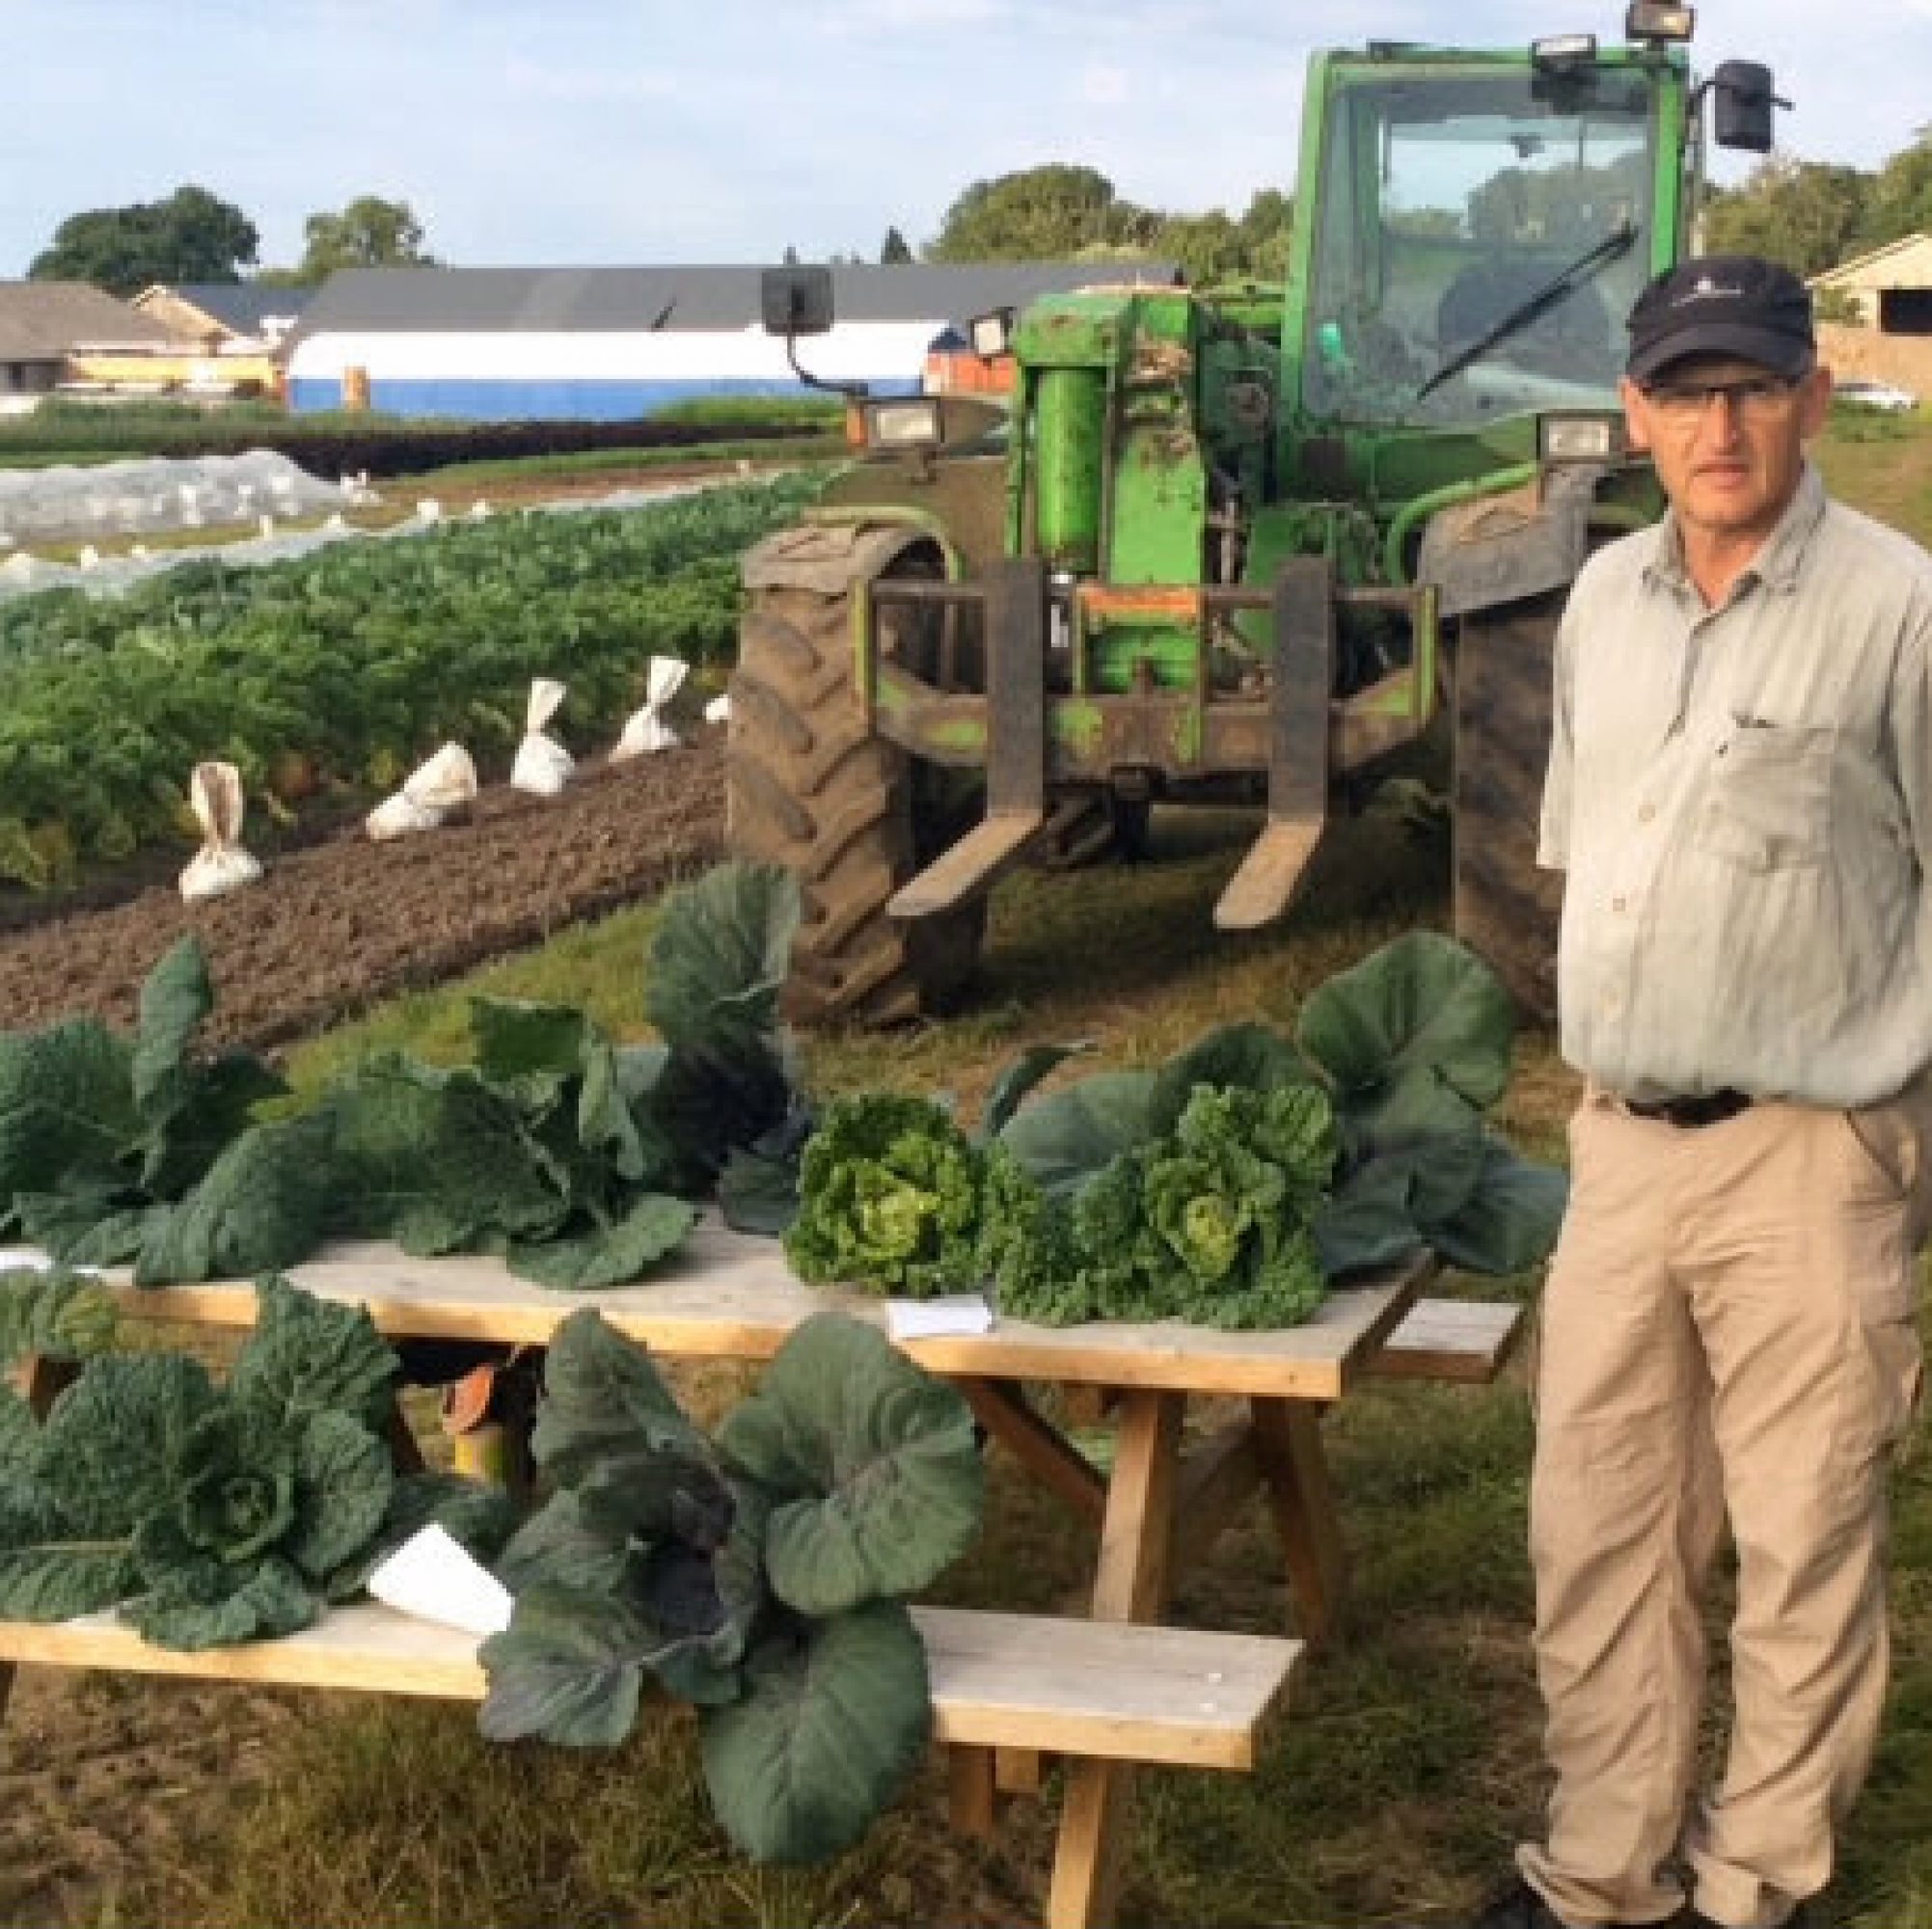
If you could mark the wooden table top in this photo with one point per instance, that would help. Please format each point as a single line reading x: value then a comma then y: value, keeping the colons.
x: 732, y: 1296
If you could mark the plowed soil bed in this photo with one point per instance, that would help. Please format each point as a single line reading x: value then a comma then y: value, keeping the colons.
x: 334, y: 926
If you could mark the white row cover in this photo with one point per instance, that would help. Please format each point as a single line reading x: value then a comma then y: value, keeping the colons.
x: 145, y: 496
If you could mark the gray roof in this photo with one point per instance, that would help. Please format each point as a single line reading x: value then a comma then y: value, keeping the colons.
x: 589, y: 300
x: 42, y: 321
x: 243, y: 306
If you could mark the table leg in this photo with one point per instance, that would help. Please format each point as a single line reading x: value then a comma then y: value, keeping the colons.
x: 1130, y: 1585
x: 1288, y: 1439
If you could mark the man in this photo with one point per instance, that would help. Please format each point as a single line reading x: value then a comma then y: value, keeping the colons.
x: 1740, y: 793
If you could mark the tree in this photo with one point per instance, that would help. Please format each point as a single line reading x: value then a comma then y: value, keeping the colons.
x: 190, y: 236
x: 1040, y: 214
x: 1900, y: 201
x: 1807, y: 214
x: 893, y: 253
x: 369, y: 233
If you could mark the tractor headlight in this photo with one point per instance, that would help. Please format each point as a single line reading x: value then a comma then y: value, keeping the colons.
x: 1579, y: 437
x: 1649, y: 20
x: 911, y: 423
x: 990, y: 334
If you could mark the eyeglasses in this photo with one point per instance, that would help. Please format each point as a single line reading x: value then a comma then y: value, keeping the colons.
x: 1751, y: 398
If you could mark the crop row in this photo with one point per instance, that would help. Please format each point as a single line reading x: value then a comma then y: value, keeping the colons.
x: 342, y: 669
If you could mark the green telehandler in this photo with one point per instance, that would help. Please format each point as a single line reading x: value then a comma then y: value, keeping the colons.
x: 1240, y: 544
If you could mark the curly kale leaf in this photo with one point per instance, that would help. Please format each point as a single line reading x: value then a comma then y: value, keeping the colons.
x: 57, y: 1313
x: 889, y: 1198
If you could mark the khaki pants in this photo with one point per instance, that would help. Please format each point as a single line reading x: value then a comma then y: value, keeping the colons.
x: 1728, y: 1328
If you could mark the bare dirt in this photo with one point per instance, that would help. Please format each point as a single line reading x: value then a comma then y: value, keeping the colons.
x: 334, y: 927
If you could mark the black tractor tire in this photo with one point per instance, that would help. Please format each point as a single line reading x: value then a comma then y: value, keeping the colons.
x: 1505, y: 908
x: 810, y: 787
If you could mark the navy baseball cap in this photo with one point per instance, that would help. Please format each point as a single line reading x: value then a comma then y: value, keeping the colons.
x: 1723, y: 304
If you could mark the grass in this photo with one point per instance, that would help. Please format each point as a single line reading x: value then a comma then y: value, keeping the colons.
x: 1410, y: 1762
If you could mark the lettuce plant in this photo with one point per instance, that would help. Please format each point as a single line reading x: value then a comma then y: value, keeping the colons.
x: 758, y: 1576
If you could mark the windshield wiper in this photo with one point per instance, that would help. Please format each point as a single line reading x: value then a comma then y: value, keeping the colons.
x: 1527, y: 311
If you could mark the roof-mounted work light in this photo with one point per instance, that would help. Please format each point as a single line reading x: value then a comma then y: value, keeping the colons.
x: 1651, y: 20
x: 1562, y: 53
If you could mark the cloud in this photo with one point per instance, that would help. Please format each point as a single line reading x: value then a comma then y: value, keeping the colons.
x: 1106, y: 85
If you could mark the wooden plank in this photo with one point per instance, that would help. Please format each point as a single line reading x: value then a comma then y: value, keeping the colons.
x: 1287, y: 1440
x: 731, y: 1295
x: 971, y: 1801
x: 1174, y: 1696
x: 1040, y: 1447
x: 1129, y: 1585
x: 1465, y: 1340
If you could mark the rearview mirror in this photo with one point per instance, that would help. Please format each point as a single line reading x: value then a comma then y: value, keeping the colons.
x: 1744, y: 104
x: 795, y: 300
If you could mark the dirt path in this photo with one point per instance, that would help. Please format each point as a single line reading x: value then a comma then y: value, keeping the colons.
x: 330, y: 929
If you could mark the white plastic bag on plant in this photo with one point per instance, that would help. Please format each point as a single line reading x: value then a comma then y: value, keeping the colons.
x: 718, y: 710
x: 645, y: 730
x: 221, y: 864
x: 543, y: 766
x: 446, y: 782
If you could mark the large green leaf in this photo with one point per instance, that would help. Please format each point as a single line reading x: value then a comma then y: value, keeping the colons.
x: 562, y: 1545
x: 111, y: 1439
x: 1250, y: 1056
x: 872, y: 1462
x: 344, y: 1476
x: 267, y: 1600
x: 836, y: 1718
x: 1065, y: 1137
x: 308, y: 1355
x: 1510, y: 1220
x: 54, y: 1313
x: 175, y: 998
x: 66, y: 1109
x: 48, y: 1570
x: 601, y: 1399
x: 719, y: 958
x: 1423, y: 1002
x: 568, y: 1669
x: 209, y: 1106
x: 654, y: 1227
x: 261, y: 1206
x: 1019, y: 1078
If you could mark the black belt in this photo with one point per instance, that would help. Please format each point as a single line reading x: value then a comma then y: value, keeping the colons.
x: 1709, y: 1108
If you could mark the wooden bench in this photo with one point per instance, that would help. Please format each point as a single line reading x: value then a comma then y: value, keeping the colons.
x: 1464, y: 1340
x: 1094, y: 1693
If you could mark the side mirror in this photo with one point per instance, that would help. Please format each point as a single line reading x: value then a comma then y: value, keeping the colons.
x: 1744, y: 103
x: 795, y: 300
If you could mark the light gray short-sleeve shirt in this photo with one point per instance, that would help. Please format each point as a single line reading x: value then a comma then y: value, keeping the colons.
x: 1742, y: 800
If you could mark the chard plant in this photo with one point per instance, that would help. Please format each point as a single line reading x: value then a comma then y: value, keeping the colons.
x: 759, y: 1576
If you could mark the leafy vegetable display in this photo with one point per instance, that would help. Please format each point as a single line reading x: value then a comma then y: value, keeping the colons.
x: 212, y: 1514
x: 574, y: 1158
x: 140, y: 1150
x: 758, y: 1576
x: 350, y: 665
x: 1226, y: 1186
x: 890, y: 1191
x: 54, y: 1313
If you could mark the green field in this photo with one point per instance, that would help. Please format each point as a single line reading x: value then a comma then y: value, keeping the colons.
x: 1409, y: 1763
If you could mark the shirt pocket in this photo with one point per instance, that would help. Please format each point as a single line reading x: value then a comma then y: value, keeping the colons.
x: 1769, y: 803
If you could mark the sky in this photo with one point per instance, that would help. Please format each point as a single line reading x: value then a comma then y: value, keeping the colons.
x: 534, y: 132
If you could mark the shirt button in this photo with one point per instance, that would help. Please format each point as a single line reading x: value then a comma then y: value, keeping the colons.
x: 1620, y: 904
x: 1646, y: 813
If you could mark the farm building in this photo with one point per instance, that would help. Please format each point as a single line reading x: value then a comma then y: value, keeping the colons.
x: 1890, y: 286
x: 225, y: 317
x: 47, y: 328
x: 605, y: 343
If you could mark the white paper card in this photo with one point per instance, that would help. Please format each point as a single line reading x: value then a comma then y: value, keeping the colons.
x: 434, y: 1577
x: 31, y: 1259
x: 957, y: 1313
